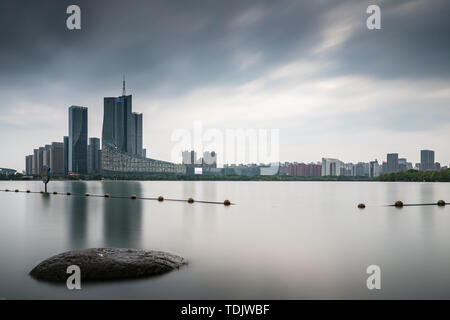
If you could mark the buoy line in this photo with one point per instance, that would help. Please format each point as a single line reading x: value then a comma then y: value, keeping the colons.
x: 400, y: 204
x: 107, y: 195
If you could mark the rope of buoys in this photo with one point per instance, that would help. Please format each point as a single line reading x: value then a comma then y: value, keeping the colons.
x: 400, y: 204
x: 133, y: 197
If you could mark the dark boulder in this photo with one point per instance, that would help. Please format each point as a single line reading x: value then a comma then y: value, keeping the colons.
x: 99, y: 264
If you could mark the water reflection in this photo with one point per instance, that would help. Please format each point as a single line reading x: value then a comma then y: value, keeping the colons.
x: 122, y: 218
x: 77, y: 215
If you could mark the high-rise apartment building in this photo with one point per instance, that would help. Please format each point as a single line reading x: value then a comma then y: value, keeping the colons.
x: 392, y: 162
x: 427, y: 160
x: 331, y: 167
x: 57, y: 158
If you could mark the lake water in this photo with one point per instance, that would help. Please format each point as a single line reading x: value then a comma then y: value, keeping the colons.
x: 282, y: 240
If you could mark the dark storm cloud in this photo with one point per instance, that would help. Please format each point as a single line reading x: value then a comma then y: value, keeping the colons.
x: 184, y: 43
x: 172, y: 46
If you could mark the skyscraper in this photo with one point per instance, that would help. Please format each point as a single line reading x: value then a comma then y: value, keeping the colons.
x: 94, y: 156
x: 66, y: 155
x: 78, y: 125
x: 426, y: 159
x: 122, y: 141
x: 392, y: 162
x: 29, y: 164
x: 122, y: 128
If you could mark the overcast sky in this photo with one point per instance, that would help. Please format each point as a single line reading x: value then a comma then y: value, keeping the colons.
x: 311, y: 69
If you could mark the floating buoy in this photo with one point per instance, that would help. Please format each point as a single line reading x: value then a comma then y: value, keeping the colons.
x: 17, y: 190
x: 190, y: 200
x: 361, y: 205
x: 441, y: 203
x: 68, y: 193
x: 54, y: 192
x: 133, y: 196
x: 160, y: 198
x: 106, y: 195
x: 398, y: 204
x: 28, y: 191
x: 86, y: 194
x: 227, y: 202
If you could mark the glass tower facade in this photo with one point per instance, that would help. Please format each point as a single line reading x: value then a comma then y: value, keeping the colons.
x: 77, y: 151
x: 122, y: 141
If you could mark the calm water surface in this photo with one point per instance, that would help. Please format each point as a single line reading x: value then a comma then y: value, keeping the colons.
x: 283, y: 240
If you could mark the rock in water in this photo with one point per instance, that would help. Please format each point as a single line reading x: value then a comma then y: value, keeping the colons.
x: 107, y: 264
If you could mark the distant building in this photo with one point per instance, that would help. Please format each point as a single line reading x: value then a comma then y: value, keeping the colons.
x: 362, y: 169
x: 94, y: 156
x: 40, y: 160
x: 46, y: 161
x: 189, y: 158
x: 374, y: 169
x: 426, y: 160
x: 209, y: 159
x: 34, y: 168
x: 392, y: 162
x: 78, y: 128
x: 29, y: 164
x: 331, y: 167
x: 66, y: 154
x: 57, y: 158
x: 7, y: 171
x: 144, y: 153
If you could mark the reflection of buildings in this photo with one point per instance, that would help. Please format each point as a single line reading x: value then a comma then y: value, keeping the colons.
x: 77, y: 216
x: 122, y: 141
x: 122, y: 218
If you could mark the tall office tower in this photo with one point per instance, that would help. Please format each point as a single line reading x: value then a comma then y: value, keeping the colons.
x: 29, y: 164
x: 426, y: 160
x: 392, y: 162
x: 78, y: 127
x: 122, y: 129
x: 34, y: 168
x: 93, y: 156
x: 57, y: 158
x: 66, y: 154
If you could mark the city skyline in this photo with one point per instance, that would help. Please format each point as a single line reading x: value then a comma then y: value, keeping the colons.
x: 313, y: 70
